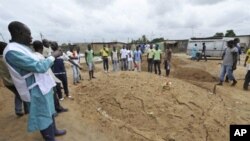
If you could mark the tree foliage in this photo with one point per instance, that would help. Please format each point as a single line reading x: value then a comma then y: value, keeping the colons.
x: 142, y: 40
x: 219, y: 34
x: 230, y: 33
x: 156, y: 40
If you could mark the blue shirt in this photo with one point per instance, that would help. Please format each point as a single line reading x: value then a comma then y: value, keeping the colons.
x: 137, y: 55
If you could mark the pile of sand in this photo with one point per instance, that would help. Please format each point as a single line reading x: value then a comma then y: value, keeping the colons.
x: 135, y: 106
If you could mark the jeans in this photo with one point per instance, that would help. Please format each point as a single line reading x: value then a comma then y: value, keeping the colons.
x: 150, y: 65
x: 18, y: 101
x: 123, y: 64
x: 130, y: 64
x: 157, y: 65
x: 167, y: 67
x: 226, y: 69
x: 105, y: 63
x: 76, y: 74
x: 115, y: 65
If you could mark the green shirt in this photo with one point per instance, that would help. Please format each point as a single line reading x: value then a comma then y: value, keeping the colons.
x: 89, y: 56
x: 150, y: 53
x: 157, y: 54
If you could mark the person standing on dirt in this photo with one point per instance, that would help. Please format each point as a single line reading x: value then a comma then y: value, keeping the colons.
x: 8, y: 83
x: 75, y: 58
x: 157, y: 59
x: 247, y: 65
x: 105, y: 53
x: 115, y: 59
x: 38, y: 48
x: 138, y: 58
x: 32, y: 80
x: 194, y: 52
x: 89, y: 56
x: 229, y: 63
x: 150, y: 53
x: 236, y: 44
x: 167, y: 59
x: 204, y: 51
x: 124, y: 57
x: 60, y: 72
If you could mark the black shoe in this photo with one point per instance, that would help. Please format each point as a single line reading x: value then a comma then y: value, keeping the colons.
x: 60, y: 132
x: 62, y: 110
x: 19, y: 114
x: 93, y: 77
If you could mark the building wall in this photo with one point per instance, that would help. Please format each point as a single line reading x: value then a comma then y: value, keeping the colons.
x: 244, y: 41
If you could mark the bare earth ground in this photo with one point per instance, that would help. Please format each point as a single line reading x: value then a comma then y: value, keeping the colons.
x: 132, y: 106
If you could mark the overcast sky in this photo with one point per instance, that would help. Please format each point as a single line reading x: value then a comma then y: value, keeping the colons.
x: 123, y: 20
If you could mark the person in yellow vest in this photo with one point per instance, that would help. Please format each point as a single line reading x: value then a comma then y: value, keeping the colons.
x: 104, y: 52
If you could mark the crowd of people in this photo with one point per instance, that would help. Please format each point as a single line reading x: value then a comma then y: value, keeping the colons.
x: 35, y: 72
x: 131, y: 60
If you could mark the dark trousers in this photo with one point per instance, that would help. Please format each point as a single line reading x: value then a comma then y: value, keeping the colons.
x: 18, y: 101
x: 167, y: 67
x: 124, y: 64
x: 57, y: 104
x: 150, y: 65
x: 63, y: 78
x: 157, y: 65
x: 247, y: 80
x: 105, y: 63
x: 58, y: 90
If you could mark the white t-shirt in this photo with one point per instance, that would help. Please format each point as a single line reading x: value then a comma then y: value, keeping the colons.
x: 124, y: 53
x: 115, y: 55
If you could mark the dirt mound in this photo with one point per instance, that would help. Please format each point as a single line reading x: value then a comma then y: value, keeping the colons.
x: 187, y: 73
x: 135, y: 106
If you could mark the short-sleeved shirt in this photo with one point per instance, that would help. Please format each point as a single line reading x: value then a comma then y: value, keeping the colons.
x: 228, y: 58
x: 137, y: 55
x: 47, y: 51
x: 89, y: 56
x: 115, y: 55
x: 150, y: 53
x: 168, y: 54
x: 104, y: 52
x: 157, y: 54
x: 248, y: 54
x: 123, y: 53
